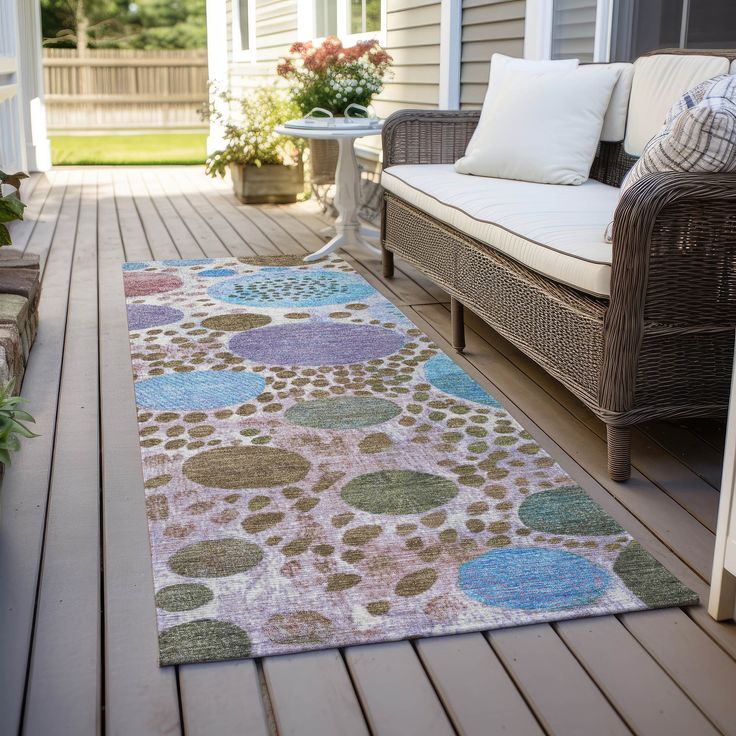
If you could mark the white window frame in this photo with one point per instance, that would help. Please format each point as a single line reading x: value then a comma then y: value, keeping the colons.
x: 305, y: 24
x: 240, y: 54
x: 538, y: 30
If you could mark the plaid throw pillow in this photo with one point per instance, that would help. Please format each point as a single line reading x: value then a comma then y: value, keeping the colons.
x: 699, y: 134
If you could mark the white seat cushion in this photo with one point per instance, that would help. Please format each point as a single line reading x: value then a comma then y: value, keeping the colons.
x: 553, y: 229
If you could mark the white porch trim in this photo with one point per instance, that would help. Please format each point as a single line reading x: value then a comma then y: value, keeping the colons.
x: 12, y: 137
x: 217, y: 63
x: 451, y: 13
x: 538, y: 29
x: 38, y: 146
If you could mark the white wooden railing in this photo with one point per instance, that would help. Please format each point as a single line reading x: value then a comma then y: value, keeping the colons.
x: 12, y: 143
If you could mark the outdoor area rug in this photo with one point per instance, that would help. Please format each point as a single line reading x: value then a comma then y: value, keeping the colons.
x: 318, y: 474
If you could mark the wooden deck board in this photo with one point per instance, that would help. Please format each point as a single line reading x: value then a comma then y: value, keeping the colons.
x: 566, y: 678
x: 560, y: 692
x: 67, y: 628
x: 140, y: 697
x: 24, y: 492
x: 397, y: 696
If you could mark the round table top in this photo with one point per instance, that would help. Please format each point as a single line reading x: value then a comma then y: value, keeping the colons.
x: 330, y: 131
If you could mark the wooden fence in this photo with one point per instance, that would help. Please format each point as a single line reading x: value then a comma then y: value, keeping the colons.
x: 116, y: 90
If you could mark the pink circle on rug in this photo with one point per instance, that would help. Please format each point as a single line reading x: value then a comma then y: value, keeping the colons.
x: 141, y: 284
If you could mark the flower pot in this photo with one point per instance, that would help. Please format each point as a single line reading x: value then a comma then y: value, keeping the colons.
x: 270, y: 184
x: 323, y: 161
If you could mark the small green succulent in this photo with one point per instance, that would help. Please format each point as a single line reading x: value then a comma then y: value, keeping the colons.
x: 12, y: 422
x: 11, y: 208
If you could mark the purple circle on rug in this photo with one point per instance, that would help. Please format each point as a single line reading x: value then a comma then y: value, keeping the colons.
x: 143, y: 316
x: 320, y: 343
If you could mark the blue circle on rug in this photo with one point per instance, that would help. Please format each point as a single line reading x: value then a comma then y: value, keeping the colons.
x: 134, y: 266
x: 217, y: 272
x: 143, y: 316
x: 289, y: 288
x: 443, y: 373
x: 315, y: 343
x: 197, y: 390
x: 533, y: 579
x: 176, y: 262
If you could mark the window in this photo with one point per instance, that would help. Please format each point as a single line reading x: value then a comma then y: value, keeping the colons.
x: 349, y: 20
x: 365, y: 16
x: 622, y: 30
x: 656, y: 24
x: 573, y: 29
x: 325, y: 18
x: 244, y: 37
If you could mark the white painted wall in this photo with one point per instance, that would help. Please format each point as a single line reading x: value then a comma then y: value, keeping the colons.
x: 24, y: 144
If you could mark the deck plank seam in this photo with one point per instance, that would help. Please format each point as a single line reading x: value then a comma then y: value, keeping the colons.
x: 76, y: 191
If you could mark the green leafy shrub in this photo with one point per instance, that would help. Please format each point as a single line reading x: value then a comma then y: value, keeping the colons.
x: 250, y: 123
x: 11, y: 423
x: 11, y: 208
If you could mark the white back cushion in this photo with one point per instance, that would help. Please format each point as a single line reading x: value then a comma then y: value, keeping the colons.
x: 733, y: 67
x: 614, y: 124
x: 542, y: 127
x: 658, y: 81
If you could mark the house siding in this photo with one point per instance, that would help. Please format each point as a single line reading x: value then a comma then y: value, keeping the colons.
x: 276, y: 30
x: 412, y: 38
x: 488, y: 27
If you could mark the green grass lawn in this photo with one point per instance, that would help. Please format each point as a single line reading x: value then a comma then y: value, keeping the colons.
x: 154, y: 148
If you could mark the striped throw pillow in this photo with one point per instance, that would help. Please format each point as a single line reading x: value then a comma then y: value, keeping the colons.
x: 699, y: 135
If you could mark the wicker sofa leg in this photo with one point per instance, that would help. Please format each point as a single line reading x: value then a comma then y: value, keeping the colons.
x: 388, y: 262
x: 619, y: 452
x: 457, y: 315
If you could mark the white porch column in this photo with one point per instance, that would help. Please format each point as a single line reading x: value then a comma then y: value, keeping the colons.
x: 12, y: 143
x: 217, y: 62
x: 30, y: 73
x: 451, y: 15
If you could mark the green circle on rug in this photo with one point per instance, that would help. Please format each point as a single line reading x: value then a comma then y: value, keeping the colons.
x: 238, y: 322
x: 350, y: 412
x: 398, y: 492
x: 215, y: 558
x: 204, y: 640
x: 183, y: 597
x: 246, y: 466
x: 567, y: 510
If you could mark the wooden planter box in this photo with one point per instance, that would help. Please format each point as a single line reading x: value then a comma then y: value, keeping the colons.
x: 270, y: 184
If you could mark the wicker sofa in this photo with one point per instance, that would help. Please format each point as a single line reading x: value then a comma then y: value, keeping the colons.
x: 647, y: 332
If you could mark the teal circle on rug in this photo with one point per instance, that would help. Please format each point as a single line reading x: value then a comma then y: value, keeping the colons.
x: 288, y: 288
x: 443, y: 373
x: 183, y: 263
x: 197, y: 390
x: 533, y: 578
x: 217, y: 272
x: 350, y: 412
x: 567, y: 510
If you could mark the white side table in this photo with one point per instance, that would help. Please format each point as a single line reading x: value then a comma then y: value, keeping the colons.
x: 347, y: 183
x: 722, y: 604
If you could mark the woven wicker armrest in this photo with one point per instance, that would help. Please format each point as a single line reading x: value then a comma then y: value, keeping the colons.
x: 673, y: 272
x: 427, y: 136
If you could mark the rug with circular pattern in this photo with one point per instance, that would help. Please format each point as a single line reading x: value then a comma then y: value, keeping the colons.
x: 318, y: 473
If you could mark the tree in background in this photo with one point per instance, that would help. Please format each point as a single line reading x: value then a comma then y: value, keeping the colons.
x: 145, y: 24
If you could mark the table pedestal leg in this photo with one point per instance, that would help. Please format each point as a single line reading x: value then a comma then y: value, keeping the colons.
x: 347, y: 202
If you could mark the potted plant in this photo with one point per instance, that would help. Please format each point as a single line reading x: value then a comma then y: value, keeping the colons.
x: 265, y: 167
x: 332, y: 77
x: 11, y: 208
